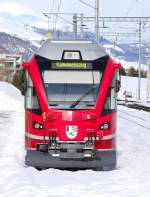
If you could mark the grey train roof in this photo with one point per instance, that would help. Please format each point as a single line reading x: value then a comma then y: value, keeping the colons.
x: 53, y: 50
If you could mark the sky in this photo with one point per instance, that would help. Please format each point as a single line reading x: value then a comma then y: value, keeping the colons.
x: 107, y: 8
x: 116, y: 8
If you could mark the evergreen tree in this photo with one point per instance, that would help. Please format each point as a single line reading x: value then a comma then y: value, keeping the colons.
x: 19, y: 79
x: 143, y: 73
x: 132, y: 72
x: 122, y: 71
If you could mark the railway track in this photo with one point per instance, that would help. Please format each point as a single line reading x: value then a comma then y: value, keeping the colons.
x: 134, y: 105
x: 135, y: 119
x: 139, y: 107
x: 133, y: 116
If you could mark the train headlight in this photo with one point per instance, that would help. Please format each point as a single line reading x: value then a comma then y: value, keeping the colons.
x: 37, y: 125
x: 71, y: 55
x: 105, y: 126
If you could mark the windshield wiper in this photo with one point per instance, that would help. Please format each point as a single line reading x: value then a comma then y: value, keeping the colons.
x: 75, y: 103
x: 53, y: 105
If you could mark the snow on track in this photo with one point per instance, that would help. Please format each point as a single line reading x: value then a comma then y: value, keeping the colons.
x: 132, y: 116
x: 130, y: 179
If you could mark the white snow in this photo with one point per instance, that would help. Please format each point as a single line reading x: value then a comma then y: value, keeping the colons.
x: 9, y: 96
x: 19, y: 29
x: 130, y: 179
x: 111, y: 46
x: 130, y: 84
x: 15, y: 9
x: 128, y: 64
x: 124, y: 63
x: 18, y: 19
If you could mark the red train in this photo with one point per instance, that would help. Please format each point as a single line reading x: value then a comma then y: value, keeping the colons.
x: 70, y: 106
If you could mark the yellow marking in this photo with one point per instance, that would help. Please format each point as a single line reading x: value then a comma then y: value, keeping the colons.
x: 70, y: 65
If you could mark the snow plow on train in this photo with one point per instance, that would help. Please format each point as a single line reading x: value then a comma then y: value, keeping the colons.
x: 70, y: 106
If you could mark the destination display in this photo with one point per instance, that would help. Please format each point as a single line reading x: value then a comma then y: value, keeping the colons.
x: 71, y: 65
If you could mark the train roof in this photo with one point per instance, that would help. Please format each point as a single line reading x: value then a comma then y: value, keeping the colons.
x: 89, y: 50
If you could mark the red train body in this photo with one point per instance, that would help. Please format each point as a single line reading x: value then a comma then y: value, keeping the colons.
x: 70, y: 106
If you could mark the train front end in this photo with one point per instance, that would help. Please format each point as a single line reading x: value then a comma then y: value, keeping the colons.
x: 70, y: 106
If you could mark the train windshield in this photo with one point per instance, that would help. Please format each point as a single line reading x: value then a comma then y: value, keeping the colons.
x: 72, y: 89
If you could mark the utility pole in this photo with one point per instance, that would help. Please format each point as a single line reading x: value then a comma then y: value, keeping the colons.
x: 115, y: 44
x: 97, y: 19
x: 148, y: 77
x: 48, y: 35
x: 139, y: 73
x: 48, y: 20
x: 81, y: 27
x: 75, y: 24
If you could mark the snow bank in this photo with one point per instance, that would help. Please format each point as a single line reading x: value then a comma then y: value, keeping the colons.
x: 10, y: 97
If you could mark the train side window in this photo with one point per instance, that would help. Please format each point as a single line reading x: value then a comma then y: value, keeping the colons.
x: 118, y: 81
x: 31, y: 101
x: 111, y: 100
x: 110, y: 103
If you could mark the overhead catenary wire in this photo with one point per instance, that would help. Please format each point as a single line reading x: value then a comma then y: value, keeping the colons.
x: 58, y: 10
x: 65, y: 20
x: 52, y: 8
x: 89, y: 5
x: 132, y: 6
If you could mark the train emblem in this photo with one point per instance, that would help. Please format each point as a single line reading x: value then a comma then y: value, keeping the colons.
x: 71, y: 131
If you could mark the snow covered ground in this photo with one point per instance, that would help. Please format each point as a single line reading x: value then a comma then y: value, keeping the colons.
x: 130, y: 179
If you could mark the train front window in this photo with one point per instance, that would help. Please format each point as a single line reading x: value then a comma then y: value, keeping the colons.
x: 72, y: 89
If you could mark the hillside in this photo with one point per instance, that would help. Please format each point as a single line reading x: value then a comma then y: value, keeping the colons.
x: 10, y: 44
